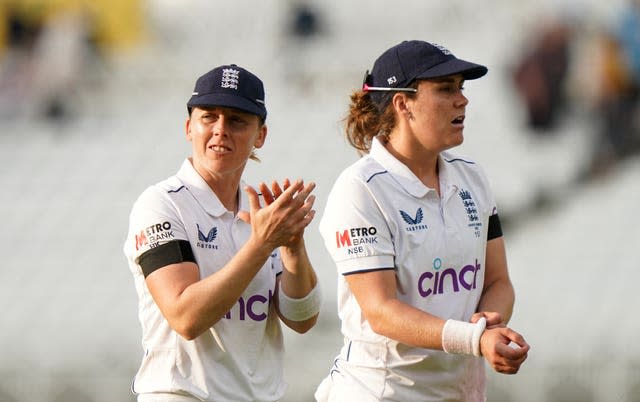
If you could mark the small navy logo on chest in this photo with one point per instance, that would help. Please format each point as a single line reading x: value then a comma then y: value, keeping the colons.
x: 471, y: 210
x: 206, y: 241
x: 415, y: 221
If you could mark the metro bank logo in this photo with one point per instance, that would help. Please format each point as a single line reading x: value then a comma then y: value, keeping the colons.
x: 151, y: 235
x: 354, y: 238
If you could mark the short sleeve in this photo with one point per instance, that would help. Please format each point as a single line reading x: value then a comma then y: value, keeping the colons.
x: 354, y: 228
x: 494, y: 229
x: 488, y: 191
x: 154, y: 221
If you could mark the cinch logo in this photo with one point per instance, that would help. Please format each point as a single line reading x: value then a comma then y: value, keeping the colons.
x: 152, y: 234
x: 435, y: 283
x: 249, y: 308
x: 414, y: 222
x: 204, y: 241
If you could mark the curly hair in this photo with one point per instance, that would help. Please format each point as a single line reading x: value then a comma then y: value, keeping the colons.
x: 367, y: 119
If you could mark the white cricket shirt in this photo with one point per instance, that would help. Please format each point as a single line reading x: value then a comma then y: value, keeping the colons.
x: 240, y: 357
x: 379, y: 215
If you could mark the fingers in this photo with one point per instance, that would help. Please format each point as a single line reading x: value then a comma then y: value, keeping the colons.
x: 254, y: 199
x: 512, y: 351
x: 287, y: 211
x: 290, y: 189
x: 245, y: 216
x: 268, y: 196
x: 294, y: 198
x: 510, y: 358
x: 275, y: 187
x: 276, y: 191
x: 493, y: 318
x: 306, y: 213
x: 301, y: 215
x: 505, y: 349
x: 298, y: 202
x: 287, y: 191
x: 254, y: 204
x: 517, y: 339
x: 294, y: 195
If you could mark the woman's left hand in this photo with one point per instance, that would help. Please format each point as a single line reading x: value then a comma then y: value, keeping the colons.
x: 493, y: 318
x: 271, y: 194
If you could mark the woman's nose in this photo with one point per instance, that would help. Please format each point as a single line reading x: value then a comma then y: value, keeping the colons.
x: 219, y: 127
x: 462, y: 100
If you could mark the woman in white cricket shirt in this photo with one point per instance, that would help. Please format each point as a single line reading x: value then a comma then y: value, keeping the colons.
x: 217, y: 268
x: 424, y: 293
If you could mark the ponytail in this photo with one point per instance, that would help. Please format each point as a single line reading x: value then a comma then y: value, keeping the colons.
x: 366, y: 120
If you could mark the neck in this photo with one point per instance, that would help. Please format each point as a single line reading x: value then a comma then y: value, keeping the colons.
x: 227, y: 194
x: 422, y: 163
x: 224, y: 186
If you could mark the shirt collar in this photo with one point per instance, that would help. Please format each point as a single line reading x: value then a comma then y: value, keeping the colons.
x: 398, y: 170
x: 201, y: 191
x: 450, y: 180
x: 405, y: 177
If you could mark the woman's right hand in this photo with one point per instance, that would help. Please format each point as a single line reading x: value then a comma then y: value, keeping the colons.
x: 284, y: 216
x: 504, y: 349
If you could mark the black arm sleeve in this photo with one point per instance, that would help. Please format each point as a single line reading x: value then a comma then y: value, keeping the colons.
x: 173, y: 252
x: 495, y: 229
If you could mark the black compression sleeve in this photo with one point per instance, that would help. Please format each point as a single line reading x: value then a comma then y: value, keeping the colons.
x: 495, y: 229
x: 173, y: 252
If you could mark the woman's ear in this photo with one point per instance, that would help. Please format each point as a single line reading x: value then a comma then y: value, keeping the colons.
x: 187, y: 128
x: 262, y: 136
x: 401, y: 106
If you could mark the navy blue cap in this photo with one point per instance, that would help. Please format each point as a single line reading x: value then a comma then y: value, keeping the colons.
x: 405, y: 62
x: 230, y: 86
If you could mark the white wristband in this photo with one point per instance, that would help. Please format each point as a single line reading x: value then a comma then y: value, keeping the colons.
x: 300, y: 309
x: 461, y: 337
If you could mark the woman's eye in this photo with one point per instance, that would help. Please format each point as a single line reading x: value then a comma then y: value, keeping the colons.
x: 451, y: 89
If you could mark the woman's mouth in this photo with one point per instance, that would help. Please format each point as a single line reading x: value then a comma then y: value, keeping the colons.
x: 458, y: 120
x: 219, y: 148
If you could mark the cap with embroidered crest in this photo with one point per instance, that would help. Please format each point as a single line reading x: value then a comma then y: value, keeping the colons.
x: 410, y: 60
x: 230, y: 86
